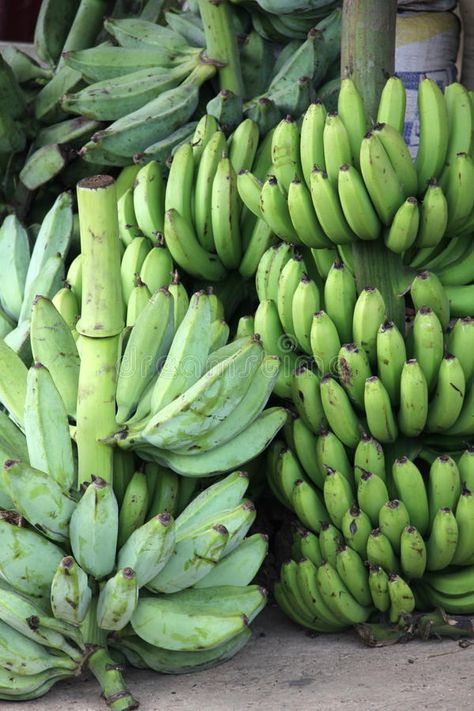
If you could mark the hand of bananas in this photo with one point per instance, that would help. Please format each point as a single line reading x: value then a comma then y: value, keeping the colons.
x: 333, y: 180
x: 376, y: 538
x: 135, y: 85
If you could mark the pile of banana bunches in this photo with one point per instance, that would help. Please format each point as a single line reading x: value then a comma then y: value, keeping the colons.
x: 145, y: 376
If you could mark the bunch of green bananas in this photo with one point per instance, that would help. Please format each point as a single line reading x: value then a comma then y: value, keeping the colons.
x: 376, y: 535
x: 349, y: 367
x: 278, y: 21
x: 334, y: 181
x: 135, y: 85
x: 29, y: 270
x: 110, y: 548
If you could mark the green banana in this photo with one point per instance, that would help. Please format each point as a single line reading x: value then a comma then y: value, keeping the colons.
x: 402, y: 599
x: 428, y: 344
x: 391, y: 357
x: 330, y: 452
x: 433, y: 115
x: 380, y: 551
x: 356, y: 203
x: 446, y: 405
x: 378, y: 410
x: 70, y: 592
x: 338, y: 496
x: 93, y: 529
x: 31, y: 570
x: 393, y: 519
x: 354, y: 574
x: 39, y: 498
x: 60, y: 355
x: 368, y: 316
x: 325, y: 342
x: 328, y: 208
x: 413, y: 411
x: 392, y: 104
x: 372, y: 494
x: 412, y: 553
x: 354, y: 371
x: 356, y: 527
x: 378, y: 586
x: 118, y: 600
x: 442, y: 542
x: 46, y: 423
x: 369, y: 456
x: 411, y: 489
x: 339, y: 412
x: 308, y: 505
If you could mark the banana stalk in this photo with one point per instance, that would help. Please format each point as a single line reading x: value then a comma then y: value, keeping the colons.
x: 221, y: 43
x: 100, y: 325
x: 102, y: 312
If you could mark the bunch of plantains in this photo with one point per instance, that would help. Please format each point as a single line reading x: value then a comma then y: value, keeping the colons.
x: 134, y: 85
x: 107, y: 555
x: 377, y: 463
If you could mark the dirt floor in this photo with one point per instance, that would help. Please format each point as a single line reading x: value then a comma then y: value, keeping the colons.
x: 284, y: 668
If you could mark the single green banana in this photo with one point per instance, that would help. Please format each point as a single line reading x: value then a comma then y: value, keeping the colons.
x: 147, y: 346
x: 380, y: 552
x: 411, y: 489
x: 392, y: 104
x: 33, y: 567
x: 47, y: 429
x: 338, y: 495
x: 369, y: 456
x: 434, y: 131
x: 372, y: 494
x: 354, y: 371
x: 354, y: 574
x: 330, y: 453
x: 393, y: 519
x: 380, y: 177
x: 378, y: 586
x: 356, y: 527
x: 402, y: 599
x: 368, y: 316
x: 339, y: 412
x: 39, y: 499
x: 70, y: 592
x: 412, y: 553
x: 413, y: 411
x: 309, y: 506
x: 442, y: 542
x: 325, y: 342
x: 351, y: 109
x: 58, y: 355
x: 391, y: 357
x: 356, y: 203
x: 446, y: 404
x: 117, y: 600
x: 378, y: 410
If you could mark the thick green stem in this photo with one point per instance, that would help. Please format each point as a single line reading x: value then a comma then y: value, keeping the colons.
x: 100, y: 325
x: 102, y: 307
x: 112, y: 683
x: 368, y: 57
x: 368, y: 46
x: 221, y: 42
x: 96, y: 406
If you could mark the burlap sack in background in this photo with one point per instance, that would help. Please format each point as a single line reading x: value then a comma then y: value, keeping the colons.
x: 427, y: 43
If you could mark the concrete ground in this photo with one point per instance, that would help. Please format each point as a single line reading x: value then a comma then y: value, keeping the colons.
x: 285, y: 668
